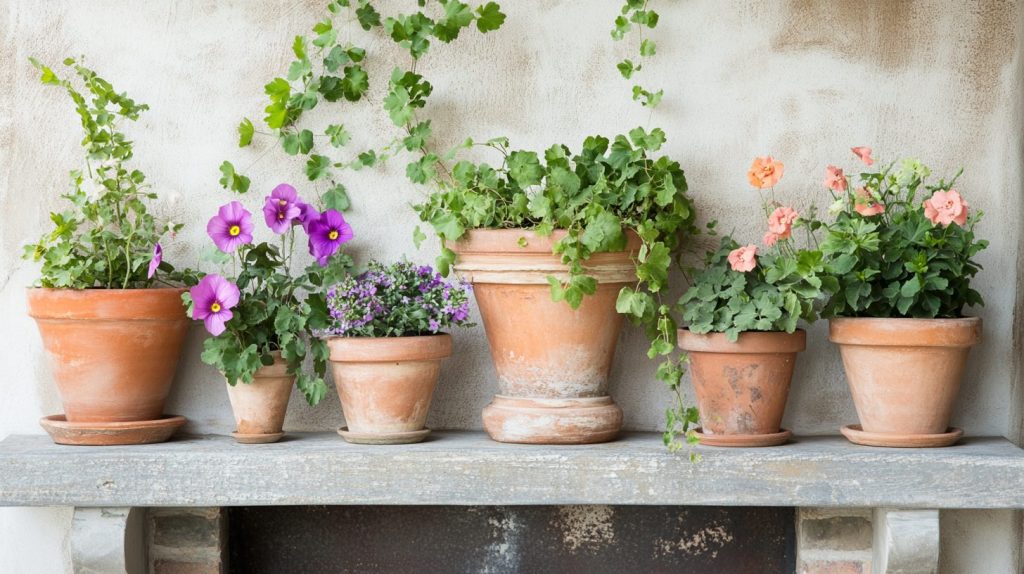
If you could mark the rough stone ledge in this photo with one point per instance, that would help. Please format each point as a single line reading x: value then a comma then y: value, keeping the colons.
x: 466, y: 468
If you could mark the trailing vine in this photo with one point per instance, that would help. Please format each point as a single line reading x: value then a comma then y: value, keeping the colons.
x: 637, y: 12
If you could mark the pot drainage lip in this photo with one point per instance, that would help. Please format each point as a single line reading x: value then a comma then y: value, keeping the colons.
x: 257, y: 438
x: 110, y: 433
x: 407, y: 437
x: 744, y: 440
x: 857, y: 435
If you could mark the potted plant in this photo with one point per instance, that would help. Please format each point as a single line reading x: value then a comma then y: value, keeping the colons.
x: 262, y: 316
x: 742, y: 311
x: 105, y: 302
x: 902, y: 249
x: 554, y: 248
x: 387, y: 345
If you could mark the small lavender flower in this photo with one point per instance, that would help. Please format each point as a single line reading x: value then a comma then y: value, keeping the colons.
x: 231, y: 227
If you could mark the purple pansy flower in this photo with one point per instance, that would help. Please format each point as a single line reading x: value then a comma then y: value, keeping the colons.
x: 231, y: 227
x: 158, y: 257
x: 212, y: 300
x: 326, y: 235
x: 307, y: 215
x: 281, y: 208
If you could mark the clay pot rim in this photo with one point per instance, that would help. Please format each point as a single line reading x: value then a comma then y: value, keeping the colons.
x: 748, y: 342
x: 390, y: 349
x: 158, y: 303
x: 506, y: 240
x: 905, y: 332
x: 276, y: 370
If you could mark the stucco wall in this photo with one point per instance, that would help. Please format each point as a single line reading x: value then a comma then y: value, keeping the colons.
x: 802, y: 80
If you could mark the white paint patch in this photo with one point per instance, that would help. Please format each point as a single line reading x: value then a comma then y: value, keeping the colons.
x: 586, y: 528
x: 705, y: 541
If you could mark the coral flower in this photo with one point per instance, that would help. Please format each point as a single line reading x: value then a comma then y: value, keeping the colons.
x: 864, y: 153
x: 834, y: 178
x: 158, y: 257
x: 866, y: 205
x: 770, y: 238
x: 946, y: 207
x: 281, y: 208
x: 743, y: 259
x: 212, y: 300
x: 780, y: 222
x: 326, y: 235
x: 765, y: 172
x: 231, y: 227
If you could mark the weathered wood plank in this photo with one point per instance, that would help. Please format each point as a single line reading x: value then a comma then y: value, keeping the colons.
x: 466, y: 468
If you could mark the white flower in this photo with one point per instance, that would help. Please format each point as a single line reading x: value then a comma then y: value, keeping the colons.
x: 837, y: 207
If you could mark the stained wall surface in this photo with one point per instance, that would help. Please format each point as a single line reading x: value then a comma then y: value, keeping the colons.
x: 799, y: 79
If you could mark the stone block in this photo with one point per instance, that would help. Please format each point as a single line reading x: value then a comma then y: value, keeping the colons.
x: 833, y: 567
x: 185, y: 530
x: 836, y: 533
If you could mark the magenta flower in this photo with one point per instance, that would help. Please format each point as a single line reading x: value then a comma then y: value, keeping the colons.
x: 212, y: 300
x: 326, y: 235
x: 307, y: 215
x: 281, y: 208
x: 231, y: 227
x: 158, y: 256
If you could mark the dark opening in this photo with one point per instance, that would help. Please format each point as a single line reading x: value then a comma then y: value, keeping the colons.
x: 508, y: 539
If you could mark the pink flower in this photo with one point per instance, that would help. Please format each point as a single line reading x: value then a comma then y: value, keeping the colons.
x: 864, y: 153
x: 743, y: 259
x: 946, y: 207
x: 212, y: 301
x: 765, y: 172
x: 865, y: 203
x: 780, y: 222
x: 770, y: 239
x: 834, y: 178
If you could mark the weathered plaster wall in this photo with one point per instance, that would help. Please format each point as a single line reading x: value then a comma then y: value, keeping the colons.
x: 803, y: 80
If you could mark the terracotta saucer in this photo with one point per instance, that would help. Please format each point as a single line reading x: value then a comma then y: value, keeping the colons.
x: 111, y: 433
x: 383, y: 438
x: 738, y: 440
x: 854, y: 434
x: 242, y: 438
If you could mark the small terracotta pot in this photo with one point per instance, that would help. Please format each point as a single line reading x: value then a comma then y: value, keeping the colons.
x: 904, y: 374
x: 386, y: 385
x: 555, y: 357
x: 260, y: 406
x: 113, y: 351
x: 742, y: 387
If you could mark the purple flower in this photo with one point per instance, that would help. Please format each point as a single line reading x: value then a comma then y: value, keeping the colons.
x: 281, y: 208
x: 158, y: 256
x: 231, y: 227
x: 212, y: 300
x: 326, y: 235
x: 434, y: 325
x: 307, y: 215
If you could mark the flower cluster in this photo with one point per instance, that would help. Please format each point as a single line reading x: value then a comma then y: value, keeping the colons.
x: 396, y: 300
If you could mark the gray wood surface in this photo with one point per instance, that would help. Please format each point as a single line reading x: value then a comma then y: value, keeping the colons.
x: 466, y: 468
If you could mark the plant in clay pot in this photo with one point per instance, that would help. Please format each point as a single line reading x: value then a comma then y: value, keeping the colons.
x: 106, y: 303
x: 262, y: 315
x: 742, y: 340
x: 387, y: 344
x: 901, y: 249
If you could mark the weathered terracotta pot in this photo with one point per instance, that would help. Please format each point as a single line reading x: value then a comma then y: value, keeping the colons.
x: 386, y: 384
x: 552, y: 361
x: 904, y: 374
x: 260, y: 406
x: 113, y: 352
x: 742, y: 387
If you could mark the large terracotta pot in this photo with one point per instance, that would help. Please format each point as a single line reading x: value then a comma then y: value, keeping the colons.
x: 552, y: 361
x: 904, y: 374
x: 742, y: 387
x: 260, y: 406
x: 386, y: 384
x: 113, y: 352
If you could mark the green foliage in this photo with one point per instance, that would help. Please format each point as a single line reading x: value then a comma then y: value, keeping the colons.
x: 899, y: 263
x: 636, y: 14
x: 107, y: 238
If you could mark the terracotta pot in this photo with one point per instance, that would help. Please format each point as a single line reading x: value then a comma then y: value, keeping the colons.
x: 904, y: 374
x: 555, y: 357
x: 742, y: 387
x: 259, y: 407
x: 386, y: 384
x: 113, y: 351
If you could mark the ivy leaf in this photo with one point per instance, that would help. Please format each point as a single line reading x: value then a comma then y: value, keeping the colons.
x: 231, y: 180
x: 312, y: 387
x: 245, y: 132
x: 447, y: 226
x: 299, y: 47
x: 331, y: 88
x: 368, y: 16
x: 489, y: 17
x: 647, y: 47
x: 336, y: 58
x: 339, y: 136
x: 397, y: 105
x: 418, y: 136
x: 626, y: 68
x: 524, y: 168
x: 355, y: 83
x: 622, y: 27
x: 603, y: 233
x: 336, y: 198
x: 444, y: 261
x: 295, y: 143
x: 456, y: 17
x: 418, y: 236
x: 317, y: 167
x: 654, y: 264
x: 423, y: 169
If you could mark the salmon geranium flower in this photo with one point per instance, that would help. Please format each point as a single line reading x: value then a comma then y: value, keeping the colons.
x: 743, y: 259
x: 946, y: 207
x: 864, y: 153
x: 765, y: 172
x: 780, y: 223
x: 835, y: 179
x: 865, y: 203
